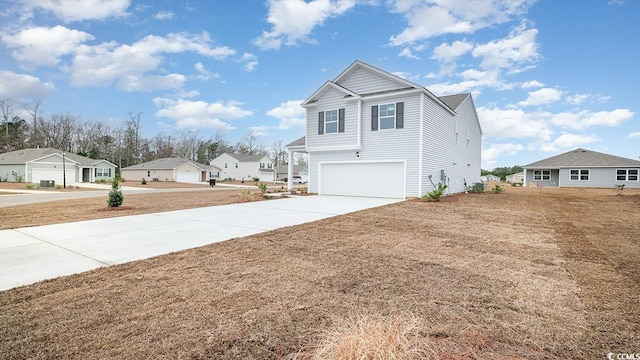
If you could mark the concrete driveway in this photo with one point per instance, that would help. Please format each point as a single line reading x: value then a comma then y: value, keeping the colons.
x: 29, y: 255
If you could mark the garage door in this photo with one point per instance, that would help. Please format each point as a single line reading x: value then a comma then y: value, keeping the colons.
x: 188, y: 177
x: 52, y: 174
x: 375, y: 179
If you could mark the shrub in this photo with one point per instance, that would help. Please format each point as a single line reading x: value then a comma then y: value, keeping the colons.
x: 263, y: 187
x: 497, y: 189
x: 32, y: 186
x: 247, y: 195
x: 619, y: 188
x: 435, y: 194
x: 115, y: 194
x: 255, y: 179
x: 144, y: 182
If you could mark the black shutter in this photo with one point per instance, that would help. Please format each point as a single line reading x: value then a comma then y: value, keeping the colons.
x: 95, y: 172
x: 374, y: 118
x: 399, y: 115
x: 321, y: 123
x: 341, y: 120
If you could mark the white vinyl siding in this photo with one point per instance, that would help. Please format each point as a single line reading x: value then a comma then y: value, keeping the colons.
x: 362, y: 81
x: 332, y: 100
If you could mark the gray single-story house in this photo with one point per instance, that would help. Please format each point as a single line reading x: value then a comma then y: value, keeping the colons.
x: 584, y: 168
x: 170, y: 169
x: 282, y: 171
x: 35, y: 165
x: 516, y: 178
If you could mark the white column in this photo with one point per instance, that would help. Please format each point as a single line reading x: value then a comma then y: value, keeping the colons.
x: 290, y: 172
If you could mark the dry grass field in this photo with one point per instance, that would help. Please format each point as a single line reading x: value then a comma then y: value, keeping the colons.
x: 532, y: 273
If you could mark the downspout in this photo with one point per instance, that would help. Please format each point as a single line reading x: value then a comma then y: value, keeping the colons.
x: 420, y: 145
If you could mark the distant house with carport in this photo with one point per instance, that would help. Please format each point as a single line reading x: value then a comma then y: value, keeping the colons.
x: 282, y: 172
x: 517, y: 178
x: 46, y: 164
x: 584, y: 168
x: 245, y: 167
x: 170, y: 169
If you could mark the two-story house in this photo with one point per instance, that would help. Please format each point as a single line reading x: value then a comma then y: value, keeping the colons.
x: 245, y: 167
x: 372, y: 133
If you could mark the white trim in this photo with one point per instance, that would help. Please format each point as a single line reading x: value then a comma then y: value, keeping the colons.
x: 359, y: 135
x: 420, y: 146
x: 334, y: 148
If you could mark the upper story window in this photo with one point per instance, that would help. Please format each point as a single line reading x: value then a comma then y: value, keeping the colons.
x: 261, y: 165
x: 627, y: 174
x: 331, y: 121
x: 543, y: 175
x: 225, y: 165
x: 387, y: 116
x: 579, y: 175
x: 236, y: 165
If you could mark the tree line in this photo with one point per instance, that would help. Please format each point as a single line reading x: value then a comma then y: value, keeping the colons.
x: 503, y: 172
x: 122, y: 145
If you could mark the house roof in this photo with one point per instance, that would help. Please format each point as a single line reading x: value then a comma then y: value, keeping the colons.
x: 583, y: 157
x: 247, y: 158
x: 298, y: 142
x: 26, y: 155
x: 453, y: 101
x: 166, y: 164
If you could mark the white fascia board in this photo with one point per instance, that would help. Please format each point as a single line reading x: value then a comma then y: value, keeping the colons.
x: 334, y: 148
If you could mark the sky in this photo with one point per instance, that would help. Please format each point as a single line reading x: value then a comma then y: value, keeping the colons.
x: 546, y: 76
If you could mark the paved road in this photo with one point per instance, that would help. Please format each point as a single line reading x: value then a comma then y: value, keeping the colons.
x: 32, y: 254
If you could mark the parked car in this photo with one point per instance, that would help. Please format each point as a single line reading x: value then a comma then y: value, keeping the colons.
x: 296, y: 180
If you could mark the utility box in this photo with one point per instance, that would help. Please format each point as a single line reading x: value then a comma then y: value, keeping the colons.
x: 479, y: 186
x: 47, y: 183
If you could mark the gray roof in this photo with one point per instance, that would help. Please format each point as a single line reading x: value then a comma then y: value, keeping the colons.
x: 25, y: 155
x: 283, y: 169
x: 165, y: 164
x: 583, y: 157
x: 453, y: 101
x: 247, y: 158
x: 298, y: 142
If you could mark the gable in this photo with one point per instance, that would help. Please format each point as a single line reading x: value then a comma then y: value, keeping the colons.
x: 364, y: 81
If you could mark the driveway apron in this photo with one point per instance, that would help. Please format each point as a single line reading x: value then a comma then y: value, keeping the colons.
x: 32, y: 254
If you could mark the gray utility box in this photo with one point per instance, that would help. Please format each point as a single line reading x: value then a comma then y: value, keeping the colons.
x: 47, y: 183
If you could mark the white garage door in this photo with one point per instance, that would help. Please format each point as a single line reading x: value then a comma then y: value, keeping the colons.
x: 375, y: 179
x: 52, y: 174
x: 188, y: 177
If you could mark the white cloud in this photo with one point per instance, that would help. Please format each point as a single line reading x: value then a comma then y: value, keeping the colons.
x: 490, y: 154
x: 290, y: 114
x: 204, y: 74
x: 78, y: 10
x: 449, y: 53
x: 569, y: 141
x: 164, y: 15
x: 106, y: 63
x: 200, y: 114
x: 585, y: 119
x: 250, y: 62
x: 406, y: 52
x: 430, y: 18
x: 531, y: 84
x: 44, y: 46
x: 543, y: 96
x: 634, y: 135
x: 23, y: 87
x: 515, y: 53
x: 148, y: 83
x: 293, y: 21
x: 513, y: 123
x: 472, y: 81
x: 259, y: 130
x: 576, y: 99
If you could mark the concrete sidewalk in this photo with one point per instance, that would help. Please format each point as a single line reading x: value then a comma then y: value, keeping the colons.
x: 29, y: 255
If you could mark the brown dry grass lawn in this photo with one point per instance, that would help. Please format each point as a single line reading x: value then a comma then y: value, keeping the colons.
x: 530, y: 273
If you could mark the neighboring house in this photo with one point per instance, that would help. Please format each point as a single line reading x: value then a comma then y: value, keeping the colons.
x: 584, y: 168
x: 490, y: 177
x: 35, y: 165
x: 517, y: 178
x: 282, y: 172
x: 245, y: 167
x: 372, y: 133
x: 170, y: 169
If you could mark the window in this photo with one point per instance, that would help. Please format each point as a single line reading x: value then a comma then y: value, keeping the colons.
x: 225, y: 165
x: 627, y: 174
x: 236, y: 165
x: 579, y: 174
x: 261, y: 165
x: 542, y: 175
x: 387, y: 116
x: 331, y: 121
x: 100, y: 172
x: 148, y: 173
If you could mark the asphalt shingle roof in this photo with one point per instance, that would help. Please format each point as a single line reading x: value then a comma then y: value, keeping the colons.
x: 25, y: 155
x: 164, y: 164
x: 453, y: 101
x: 583, y: 157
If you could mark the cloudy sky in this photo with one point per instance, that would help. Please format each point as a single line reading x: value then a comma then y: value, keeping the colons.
x: 547, y: 76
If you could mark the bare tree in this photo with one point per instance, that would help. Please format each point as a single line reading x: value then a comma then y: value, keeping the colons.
x: 300, y: 159
x: 249, y: 145
x: 278, y: 153
x: 35, y: 139
x: 188, y: 144
x: 163, y: 146
x: 59, y: 131
x: 6, y: 107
